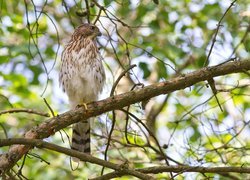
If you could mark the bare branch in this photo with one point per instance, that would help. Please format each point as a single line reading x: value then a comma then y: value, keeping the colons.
x: 176, y: 169
x: 216, y: 33
x: 120, y: 169
x: 30, y: 111
x: 47, y: 104
x: 119, y: 78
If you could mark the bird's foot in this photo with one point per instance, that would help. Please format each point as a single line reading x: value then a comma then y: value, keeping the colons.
x: 82, y: 105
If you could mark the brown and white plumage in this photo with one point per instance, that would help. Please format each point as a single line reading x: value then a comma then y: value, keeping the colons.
x: 82, y: 77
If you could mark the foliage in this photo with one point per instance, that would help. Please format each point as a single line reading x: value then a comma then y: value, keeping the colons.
x: 164, y: 41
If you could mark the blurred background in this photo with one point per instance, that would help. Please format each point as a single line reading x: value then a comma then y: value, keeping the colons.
x: 163, y: 39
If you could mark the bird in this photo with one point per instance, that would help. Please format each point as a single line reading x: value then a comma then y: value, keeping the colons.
x: 82, y: 77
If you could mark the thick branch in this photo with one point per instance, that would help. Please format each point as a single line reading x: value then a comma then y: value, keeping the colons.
x: 54, y: 124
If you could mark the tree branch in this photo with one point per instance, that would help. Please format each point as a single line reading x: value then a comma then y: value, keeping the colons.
x: 121, y: 170
x: 52, y: 125
x: 31, y: 111
x: 177, y: 169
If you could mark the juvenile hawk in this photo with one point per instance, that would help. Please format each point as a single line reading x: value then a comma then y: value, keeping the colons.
x: 82, y: 77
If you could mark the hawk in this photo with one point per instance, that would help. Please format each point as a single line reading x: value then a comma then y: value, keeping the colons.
x: 82, y: 77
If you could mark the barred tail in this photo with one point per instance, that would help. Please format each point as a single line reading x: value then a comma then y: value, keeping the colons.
x: 81, y: 137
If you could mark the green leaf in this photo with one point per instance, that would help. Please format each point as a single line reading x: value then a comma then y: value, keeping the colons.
x: 146, y: 71
x: 4, y: 59
x: 161, y: 70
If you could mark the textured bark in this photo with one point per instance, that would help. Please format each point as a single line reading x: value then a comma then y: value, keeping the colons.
x: 52, y: 125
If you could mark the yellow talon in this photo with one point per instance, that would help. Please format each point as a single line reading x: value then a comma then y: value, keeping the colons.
x: 82, y: 104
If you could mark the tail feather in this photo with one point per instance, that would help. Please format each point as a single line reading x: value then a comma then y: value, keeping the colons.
x: 81, y: 137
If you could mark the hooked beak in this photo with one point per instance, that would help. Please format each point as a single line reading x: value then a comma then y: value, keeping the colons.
x: 98, y: 33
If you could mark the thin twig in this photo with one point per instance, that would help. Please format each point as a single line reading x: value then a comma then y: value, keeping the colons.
x: 88, y: 11
x: 214, y: 90
x: 216, y: 33
x: 242, y: 41
x: 150, y: 133
x: 119, y: 78
x: 4, y: 130
x: 98, y: 15
x: 113, y: 112
x: 109, y: 139
x: 30, y: 111
x: 47, y: 104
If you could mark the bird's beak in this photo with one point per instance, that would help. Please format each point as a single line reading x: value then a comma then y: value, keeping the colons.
x: 99, y: 33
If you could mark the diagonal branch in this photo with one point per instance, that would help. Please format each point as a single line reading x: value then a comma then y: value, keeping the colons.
x: 216, y: 32
x: 120, y: 169
x: 59, y: 122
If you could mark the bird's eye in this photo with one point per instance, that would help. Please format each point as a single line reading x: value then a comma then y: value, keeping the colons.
x: 92, y: 28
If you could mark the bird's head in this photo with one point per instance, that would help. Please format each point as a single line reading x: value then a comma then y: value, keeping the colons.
x: 86, y: 31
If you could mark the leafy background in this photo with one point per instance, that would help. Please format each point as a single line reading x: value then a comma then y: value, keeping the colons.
x: 164, y: 41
